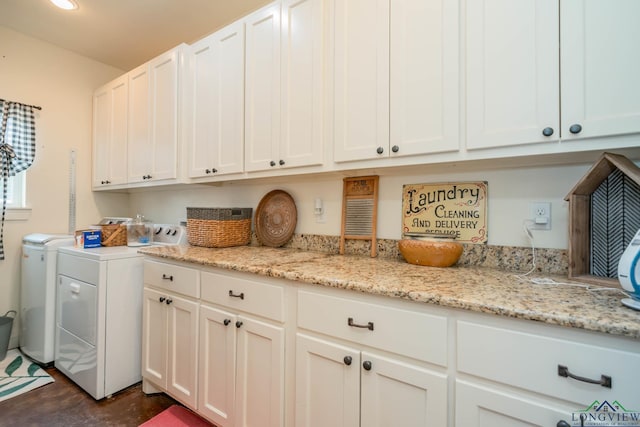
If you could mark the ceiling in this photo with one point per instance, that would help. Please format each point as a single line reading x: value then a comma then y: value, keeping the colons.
x: 122, y: 33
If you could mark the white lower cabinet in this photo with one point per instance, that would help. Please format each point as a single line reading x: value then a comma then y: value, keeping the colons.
x: 169, y: 346
x: 245, y: 350
x: 241, y: 366
x: 509, y: 374
x: 327, y: 383
x: 339, y: 385
x: 355, y: 384
x: 170, y: 330
x: 481, y: 406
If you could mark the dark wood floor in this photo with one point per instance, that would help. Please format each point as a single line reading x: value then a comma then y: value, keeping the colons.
x: 63, y: 403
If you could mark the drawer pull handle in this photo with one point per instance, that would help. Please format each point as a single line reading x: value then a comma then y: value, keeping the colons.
x: 368, y: 326
x: 240, y: 295
x: 226, y: 322
x: 169, y: 278
x: 604, y: 381
x: 347, y: 360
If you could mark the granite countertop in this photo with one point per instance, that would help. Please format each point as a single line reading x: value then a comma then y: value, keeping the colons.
x: 471, y: 288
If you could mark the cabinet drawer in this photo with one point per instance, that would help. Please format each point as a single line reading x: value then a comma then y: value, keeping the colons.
x: 530, y: 361
x: 252, y: 297
x: 410, y: 333
x: 171, y: 277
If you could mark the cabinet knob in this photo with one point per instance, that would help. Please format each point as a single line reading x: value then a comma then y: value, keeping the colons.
x: 238, y: 324
x: 547, y: 131
x: 281, y: 162
x: 366, y: 365
x: 574, y: 129
x: 395, y: 148
x: 161, y: 299
x: 169, y: 301
x: 380, y: 150
x: 272, y: 163
x: 226, y: 322
x: 347, y: 360
x: 214, y: 170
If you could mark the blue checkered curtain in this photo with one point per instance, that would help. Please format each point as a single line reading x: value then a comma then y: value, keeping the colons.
x: 17, y: 147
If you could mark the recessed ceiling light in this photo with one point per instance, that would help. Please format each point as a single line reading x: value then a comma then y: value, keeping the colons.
x: 65, y: 4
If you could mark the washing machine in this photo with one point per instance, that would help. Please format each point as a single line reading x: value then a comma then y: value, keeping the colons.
x: 38, y: 294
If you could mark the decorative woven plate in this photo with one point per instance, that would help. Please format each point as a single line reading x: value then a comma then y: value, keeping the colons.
x: 276, y: 218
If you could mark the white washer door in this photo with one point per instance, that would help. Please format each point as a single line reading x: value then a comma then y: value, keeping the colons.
x: 77, y: 308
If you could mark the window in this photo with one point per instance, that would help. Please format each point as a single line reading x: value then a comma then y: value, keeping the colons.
x: 15, y: 195
x: 16, y: 201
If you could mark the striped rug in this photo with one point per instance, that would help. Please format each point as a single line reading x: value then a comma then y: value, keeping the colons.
x: 18, y: 374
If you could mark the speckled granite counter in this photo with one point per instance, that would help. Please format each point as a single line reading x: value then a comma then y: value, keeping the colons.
x: 471, y: 288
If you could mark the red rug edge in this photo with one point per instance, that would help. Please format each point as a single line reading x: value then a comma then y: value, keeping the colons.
x: 176, y: 416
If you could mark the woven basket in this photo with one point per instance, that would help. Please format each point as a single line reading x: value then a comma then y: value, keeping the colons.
x: 114, y: 235
x: 219, y: 227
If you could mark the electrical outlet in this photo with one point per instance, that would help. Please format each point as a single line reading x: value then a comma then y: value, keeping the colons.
x: 540, y: 215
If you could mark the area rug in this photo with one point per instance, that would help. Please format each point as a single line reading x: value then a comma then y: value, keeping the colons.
x: 176, y: 416
x: 19, y: 375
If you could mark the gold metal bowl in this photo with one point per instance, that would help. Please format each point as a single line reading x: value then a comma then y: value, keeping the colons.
x: 430, y: 252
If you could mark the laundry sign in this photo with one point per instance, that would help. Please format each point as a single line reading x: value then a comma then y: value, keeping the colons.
x: 455, y: 209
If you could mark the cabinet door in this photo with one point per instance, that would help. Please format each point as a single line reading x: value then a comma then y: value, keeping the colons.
x: 327, y: 384
x: 139, y: 148
x: 479, y: 406
x: 262, y: 88
x: 101, y: 135
x: 600, y: 66
x: 397, y: 393
x: 424, y: 73
x: 361, y: 79
x: 217, y: 368
x: 216, y: 143
x: 110, y: 133
x: 154, y: 337
x: 301, y: 142
x: 260, y: 374
x: 182, y: 345
x: 512, y: 72
x: 164, y: 85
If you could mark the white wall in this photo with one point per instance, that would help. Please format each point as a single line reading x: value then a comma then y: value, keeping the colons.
x: 510, y: 191
x: 62, y: 83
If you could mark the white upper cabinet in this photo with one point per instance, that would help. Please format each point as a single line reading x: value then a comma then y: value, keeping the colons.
x: 361, y: 79
x: 301, y: 135
x: 154, y: 119
x: 424, y: 83
x: 110, y: 134
x: 395, y: 78
x: 139, y: 135
x: 512, y: 72
x: 216, y: 103
x: 262, y: 88
x: 544, y: 70
x: 600, y: 67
